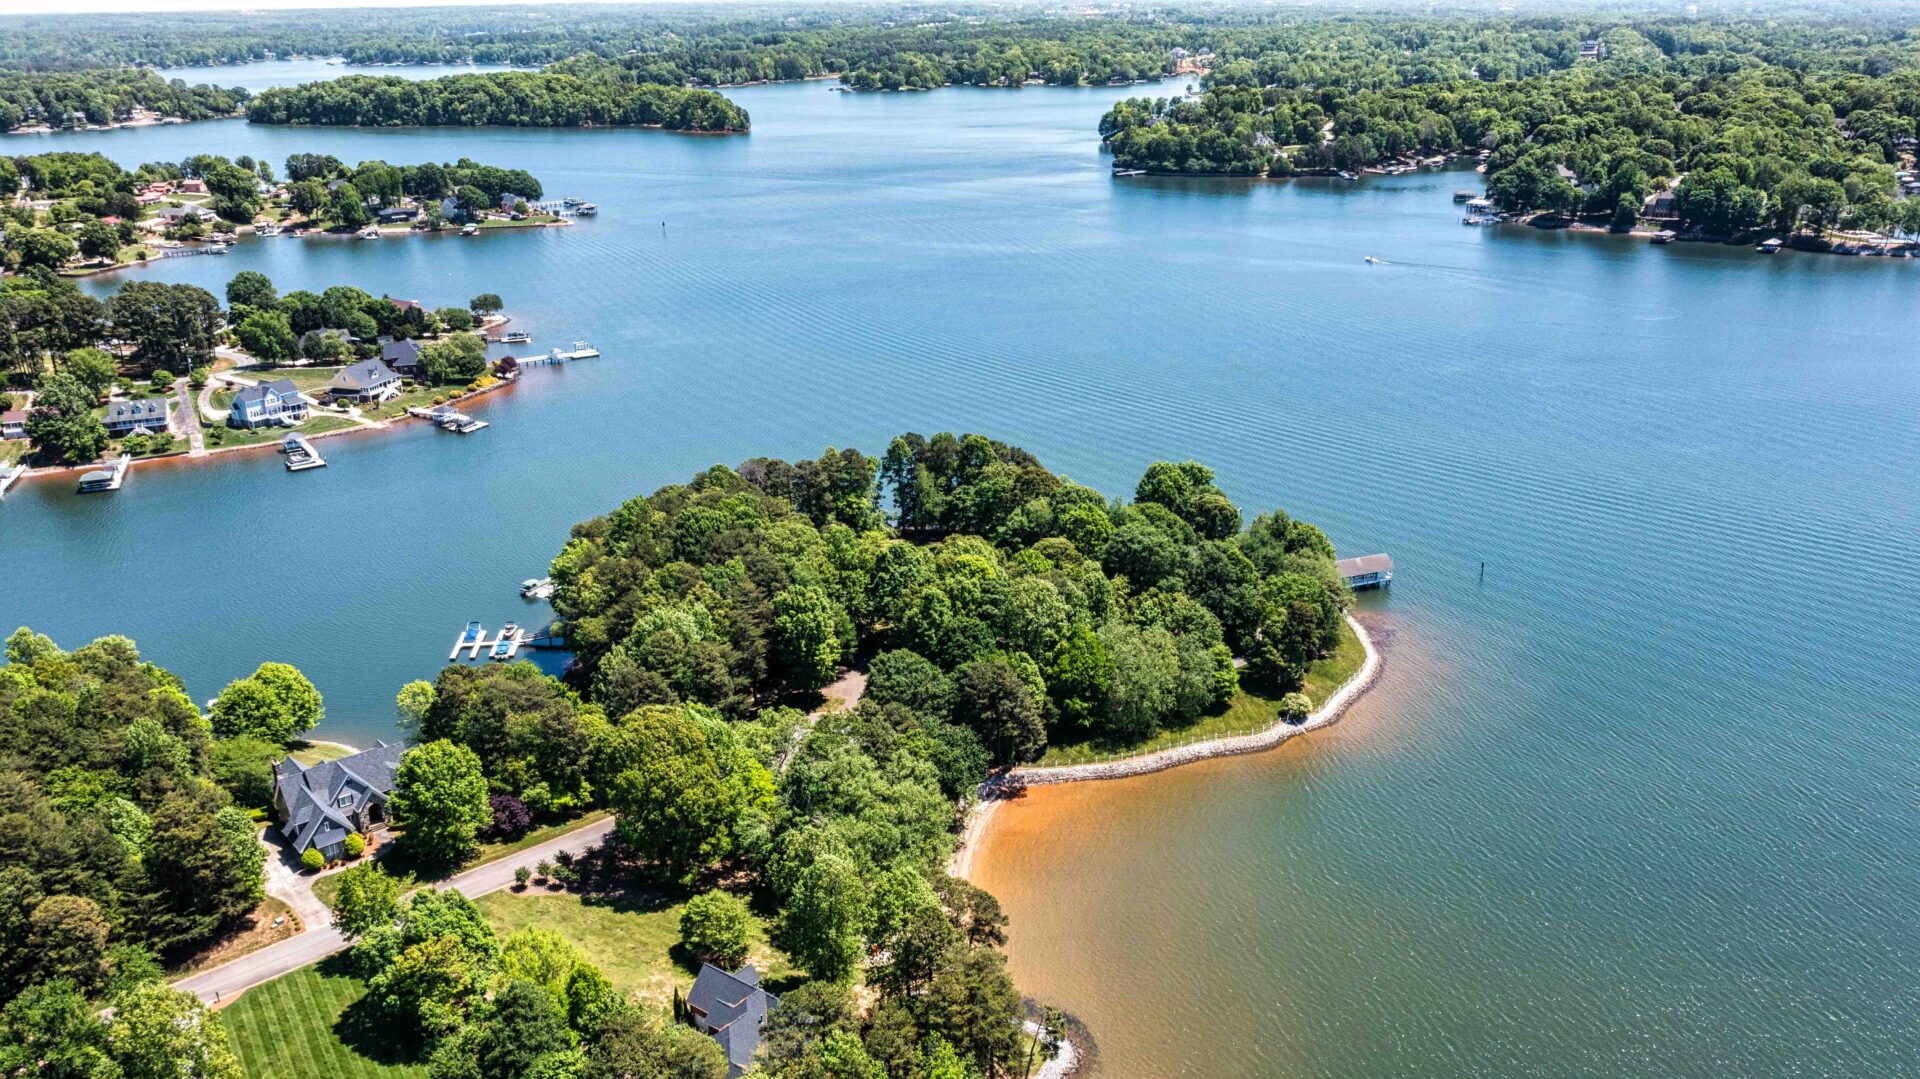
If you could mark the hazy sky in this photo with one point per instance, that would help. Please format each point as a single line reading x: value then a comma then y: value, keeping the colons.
x: 39, y: 7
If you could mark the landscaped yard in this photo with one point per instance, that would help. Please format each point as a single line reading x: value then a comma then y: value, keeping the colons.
x: 1246, y: 713
x: 312, y: 753
x: 326, y: 888
x: 293, y: 1026
x: 632, y: 941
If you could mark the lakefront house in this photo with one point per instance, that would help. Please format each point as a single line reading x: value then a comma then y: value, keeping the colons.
x: 320, y: 806
x: 267, y: 403
x: 368, y: 380
x: 143, y: 417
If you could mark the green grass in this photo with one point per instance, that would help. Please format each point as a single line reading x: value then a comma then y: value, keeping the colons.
x: 309, y: 379
x: 632, y: 940
x: 1246, y: 712
x: 13, y: 450
x: 303, y: 1024
x: 394, y: 862
x: 312, y: 753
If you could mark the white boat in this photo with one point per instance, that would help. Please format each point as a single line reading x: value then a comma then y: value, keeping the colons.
x: 517, y: 337
x: 266, y: 230
x: 216, y: 248
x: 582, y: 350
x: 371, y: 232
x: 586, y: 209
x: 469, y: 229
x: 539, y: 588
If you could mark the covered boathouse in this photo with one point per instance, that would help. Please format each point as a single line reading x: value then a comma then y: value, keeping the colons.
x: 1366, y: 571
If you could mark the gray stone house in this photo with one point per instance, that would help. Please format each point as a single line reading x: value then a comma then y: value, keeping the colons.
x: 320, y: 806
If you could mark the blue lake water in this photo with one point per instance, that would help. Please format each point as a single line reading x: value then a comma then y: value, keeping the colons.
x: 1639, y: 801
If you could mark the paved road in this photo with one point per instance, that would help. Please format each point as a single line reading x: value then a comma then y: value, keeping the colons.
x: 223, y: 983
x: 186, y: 419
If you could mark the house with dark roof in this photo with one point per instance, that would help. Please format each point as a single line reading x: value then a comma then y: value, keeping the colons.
x: 1366, y: 571
x: 732, y: 1009
x: 267, y: 403
x: 322, y: 805
x: 145, y: 416
x: 403, y: 356
x: 368, y: 380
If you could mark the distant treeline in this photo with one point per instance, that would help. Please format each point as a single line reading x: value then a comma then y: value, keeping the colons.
x: 506, y: 99
x: 72, y: 98
x: 1780, y: 125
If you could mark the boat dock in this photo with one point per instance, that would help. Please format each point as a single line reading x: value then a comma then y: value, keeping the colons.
x: 474, y: 642
x: 1366, y: 571
x: 8, y: 475
x: 581, y: 350
x: 447, y: 419
x: 300, y: 454
x: 109, y: 478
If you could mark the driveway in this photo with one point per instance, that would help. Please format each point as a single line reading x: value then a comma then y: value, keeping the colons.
x: 321, y: 939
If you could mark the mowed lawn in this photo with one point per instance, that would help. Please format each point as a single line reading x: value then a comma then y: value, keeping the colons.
x: 632, y: 941
x: 1244, y: 714
x: 292, y: 1026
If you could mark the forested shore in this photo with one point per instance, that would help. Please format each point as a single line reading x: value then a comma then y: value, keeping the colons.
x: 504, y: 99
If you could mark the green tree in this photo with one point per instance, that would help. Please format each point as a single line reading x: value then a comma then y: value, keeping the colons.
x: 62, y: 424
x: 50, y: 1030
x: 716, y: 927
x: 636, y: 1046
x: 806, y: 638
x: 42, y: 247
x: 1080, y: 678
x: 412, y: 702
x: 368, y: 898
x: 98, y: 240
x: 243, y: 765
x: 460, y: 358
x: 346, y: 207
x: 522, y: 1026
x: 267, y: 337
x: 173, y: 326
x: 94, y: 367
x: 251, y: 288
x: 1295, y: 707
x: 68, y: 936
x: 972, y: 1004
x: 666, y: 792
x: 440, y: 798
x: 162, y: 1033
x: 487, y: 303
x: 274, y: 703
x: 992, y: 699
x: 826, y: 917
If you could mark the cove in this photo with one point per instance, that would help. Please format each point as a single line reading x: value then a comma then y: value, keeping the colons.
x: 1637, y: 802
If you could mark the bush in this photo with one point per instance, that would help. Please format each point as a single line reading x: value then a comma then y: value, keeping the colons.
x: 544, y: 869
x: 717, y: 928
x: 356, y: 844
x: 197, y: 378
x: 510, y: 817
x: 1296, y: 707
x: 521, y: 876
x: 162, y: 378
x: 313, y: 859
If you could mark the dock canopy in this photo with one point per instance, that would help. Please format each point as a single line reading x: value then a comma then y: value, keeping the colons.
x: 1366, y: 571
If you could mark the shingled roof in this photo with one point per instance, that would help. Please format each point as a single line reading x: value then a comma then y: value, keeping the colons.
x: 326, y: 802
x: 733, y: 1009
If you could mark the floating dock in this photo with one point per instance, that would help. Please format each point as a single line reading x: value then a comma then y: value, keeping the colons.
x: 301, y: 454
x: 581, y: 350
x: 14, y: 472
x: 447, y: 419
x: 474, y: 642
x: 540, y: 588
x: 109, y: 478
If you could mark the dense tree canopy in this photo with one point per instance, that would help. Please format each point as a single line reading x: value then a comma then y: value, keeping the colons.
x: 509, y: 99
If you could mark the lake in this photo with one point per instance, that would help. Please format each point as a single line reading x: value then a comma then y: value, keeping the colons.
x: 1637, y: 800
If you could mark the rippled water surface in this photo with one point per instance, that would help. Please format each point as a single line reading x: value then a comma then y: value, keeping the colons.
x: 1639, y: 801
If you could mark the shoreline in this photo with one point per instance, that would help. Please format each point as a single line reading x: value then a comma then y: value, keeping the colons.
x: 43, y: 472
x: 997, y: 789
